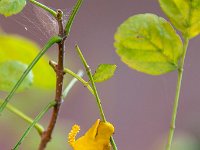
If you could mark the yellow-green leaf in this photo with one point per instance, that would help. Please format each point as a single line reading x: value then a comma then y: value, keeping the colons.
x: 13, y: 47
x: 11, y: 7
x: 184, y: 14
x: 104, y: 72
x: 149, y: 44
x: 10, y: 72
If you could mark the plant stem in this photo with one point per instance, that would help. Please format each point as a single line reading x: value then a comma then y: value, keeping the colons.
x: 34, y: 122
x: 86, y: 84
x: 26, y: 118
x: 71, y: 84
x: 59, y: 69
x: 88, y: 70
x: 176, y: 100
x: 40, y: 115
x: 72, y: 16
x: 46, y: 137
x: 53, y: 40
x: 66, y: 70
x: 51, y: 11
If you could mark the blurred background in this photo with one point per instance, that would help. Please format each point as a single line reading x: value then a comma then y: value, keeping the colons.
x: 139, y: 105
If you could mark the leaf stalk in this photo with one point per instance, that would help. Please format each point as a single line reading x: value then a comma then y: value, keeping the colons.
x: 51, y: 11
x: 176, y: 100
x: 26, y: 118
x: 53, y: 40
x: 88, y: 70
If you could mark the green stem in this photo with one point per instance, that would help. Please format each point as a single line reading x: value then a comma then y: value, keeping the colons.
x: 80, y: 79
x: 55, y: 39
x: 86, y: 84
x: 40, y: 115
x: 66, y: 70
x: 176, y: 100
x: 71, y: 84
x: 51, y: 11
x: 88, y: 70
x: 26, y: 118
x: 72, y: 16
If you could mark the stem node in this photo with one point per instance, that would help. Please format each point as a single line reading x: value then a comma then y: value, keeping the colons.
x: 172, y: 127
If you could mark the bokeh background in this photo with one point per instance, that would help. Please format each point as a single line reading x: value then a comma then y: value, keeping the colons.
x: 139, y: 105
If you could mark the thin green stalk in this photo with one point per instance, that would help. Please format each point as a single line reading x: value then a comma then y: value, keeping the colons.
x: 88, y: 70
x: 80, y: 79
x: 51, y: 11
x: 68, y: 71
x: 42, y: 113
x: 72, y: 16
x: 71, y: 84
x: 26, y: 118
x: 176, y: 100
x: 53, y: 40
x: 86, y: 84
x: 39, y: 116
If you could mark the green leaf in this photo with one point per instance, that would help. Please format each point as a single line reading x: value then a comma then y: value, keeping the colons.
x: 104, y: 72
x: 149, y: 44
x: 10, y: 72
x: 184, y: 14
x: 13, y: 47
x: 11, y: 7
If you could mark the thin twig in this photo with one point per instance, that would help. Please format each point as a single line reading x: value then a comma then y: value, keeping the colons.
x: 26, y: 118
x: 68, y: 71
x: 71, y: 84
x: 72, y: 16
x: 51, y: 11
x: 46, y: 137
x: 176, y: 100
x: 88, y: 70
x: 63, y: 33
x: 51, y: 104
x: 40, y: 115
x: 53, y: 40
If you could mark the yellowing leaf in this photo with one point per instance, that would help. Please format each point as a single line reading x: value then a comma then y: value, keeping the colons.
x: 11, y: 7
x: 184, y: 14
x: 10, y: 72
x: 13, y: 47
x: 149, y: 44
x: 104, y: 72
x: 96, y: 138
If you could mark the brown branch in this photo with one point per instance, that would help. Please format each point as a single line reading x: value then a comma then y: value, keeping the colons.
x: 59, y: 69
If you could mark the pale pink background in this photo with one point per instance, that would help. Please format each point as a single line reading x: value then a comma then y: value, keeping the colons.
x: 138, y: 105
